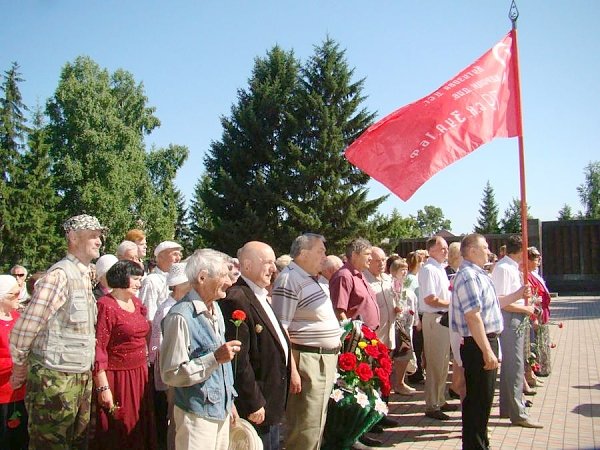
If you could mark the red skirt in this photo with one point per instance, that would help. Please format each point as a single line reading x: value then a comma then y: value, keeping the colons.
x: 135, y: 428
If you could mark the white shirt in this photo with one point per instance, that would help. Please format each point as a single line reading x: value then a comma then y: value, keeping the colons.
x: 261, y: 294
x: 154, y: 291
x: 385, y: 296
x: 507, y: 278
x: 432, y: 281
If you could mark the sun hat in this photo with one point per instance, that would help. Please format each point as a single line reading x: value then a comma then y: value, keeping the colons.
x: 166, y: 245
x: 104, y: 263
x: 176, y: 275
x: 83, y: 222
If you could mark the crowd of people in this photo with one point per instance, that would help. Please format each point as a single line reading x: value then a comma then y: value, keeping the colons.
x: 172, y: 355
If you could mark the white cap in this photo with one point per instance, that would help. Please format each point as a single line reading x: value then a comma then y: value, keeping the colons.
x: 7, y: 283
x: 166, y: 245
x: 104, y: 263
x: 176, y: 275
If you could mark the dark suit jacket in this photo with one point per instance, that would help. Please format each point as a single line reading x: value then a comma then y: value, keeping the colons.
x: 262, y: 373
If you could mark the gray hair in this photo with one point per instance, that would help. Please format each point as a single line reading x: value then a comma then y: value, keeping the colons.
x: 18, y: 266
x: 124, y: 247
x: 357, y: 246
x: 305, y: 241
x: 205, y: 259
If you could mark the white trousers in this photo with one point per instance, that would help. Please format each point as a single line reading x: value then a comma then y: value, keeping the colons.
x: 198, y: 433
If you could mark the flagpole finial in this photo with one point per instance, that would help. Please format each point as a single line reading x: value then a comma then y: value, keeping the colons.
x: 513, y: 14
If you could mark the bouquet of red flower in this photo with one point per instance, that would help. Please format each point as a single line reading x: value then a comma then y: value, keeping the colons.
x: 363, y: 377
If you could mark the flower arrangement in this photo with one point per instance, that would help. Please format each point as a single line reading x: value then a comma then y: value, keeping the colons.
x: 363, y: 379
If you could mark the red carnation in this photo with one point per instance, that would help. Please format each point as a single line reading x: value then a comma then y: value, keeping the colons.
x: 372, y: 351
x: 560, y: 325
x: 411, y: 312
x: 382, y: 348
x: 368, y: 333
x: 14, y: 420
x: 553, y: 345
x: 386, y: 364
x: 382, y: 374
x: 347, y: 361
x: 364, y: 372
x: 238, y: 314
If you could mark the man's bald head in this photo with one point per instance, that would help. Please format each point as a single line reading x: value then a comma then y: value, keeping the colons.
x: 257, y: 262
x: 332, y: 265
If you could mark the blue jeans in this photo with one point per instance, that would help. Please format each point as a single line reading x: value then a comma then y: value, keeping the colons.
x: 269, y: 435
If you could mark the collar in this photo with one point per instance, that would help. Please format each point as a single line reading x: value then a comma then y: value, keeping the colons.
x: 507, y: 259
x: 433, y: 261
x: 158, y: 271
x: 353, y: 270
x: 372, y: 278
x: 293, y: 266
x: 85, y: 270
x: 258, y: 291
x: 471, y: 265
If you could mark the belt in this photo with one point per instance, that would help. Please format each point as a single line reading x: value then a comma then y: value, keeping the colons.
x: 319, y: 350
x: 489, y: 336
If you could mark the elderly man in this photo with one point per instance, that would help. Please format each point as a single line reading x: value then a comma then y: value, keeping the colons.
x: 434, y: 299
x: 302, y: 304
x: 511, y: 292
x: 154, y: 289
x: 195, y: 359
x: 351, y: 293
x: 332, y: 264
x: 53, y: 343
x: 262, y: 369
x: 477, y: 318
x: 20, y: 273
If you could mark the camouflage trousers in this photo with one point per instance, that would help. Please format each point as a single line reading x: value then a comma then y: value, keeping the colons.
x: 58, y: 404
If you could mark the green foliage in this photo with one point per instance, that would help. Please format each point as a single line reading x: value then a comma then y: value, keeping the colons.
x: 511, y: 223
x: 199, y: 217
x: 386, y: 231
x: 96, y: 128
x: 565, y: 213
x: 589, y: 191
x: 431, y: 220
x: 487, y: 223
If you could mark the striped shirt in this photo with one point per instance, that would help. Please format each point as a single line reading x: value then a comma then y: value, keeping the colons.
x: 49, y: 296
x: 303, y: 306
x: 474, y: 290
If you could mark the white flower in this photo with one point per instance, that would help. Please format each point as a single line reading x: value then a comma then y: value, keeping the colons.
x: 380, y: 406
x: 362, y: 399
x: 337, y: 395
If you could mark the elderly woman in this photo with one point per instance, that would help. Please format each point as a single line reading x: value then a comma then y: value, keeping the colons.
x: 13, y: 416
x: 195, y: 359
x: 129, y: 250
x: 104, y: 263
x: 542, y: 296
x: 125, y: 415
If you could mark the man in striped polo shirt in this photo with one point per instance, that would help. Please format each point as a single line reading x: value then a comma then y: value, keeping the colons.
x: 302, y: 303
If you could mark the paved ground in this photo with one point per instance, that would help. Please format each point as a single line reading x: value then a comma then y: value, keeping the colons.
x: 568, y: 404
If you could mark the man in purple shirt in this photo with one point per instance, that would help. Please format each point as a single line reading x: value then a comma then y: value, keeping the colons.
x: 351, y: 293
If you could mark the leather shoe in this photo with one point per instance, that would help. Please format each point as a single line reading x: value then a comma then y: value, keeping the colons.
x: 529, y: 393
x: 452, y: 394
x: 528, y: 403
x: 376, y: 429
x: 388, y: 422
x: 438, y: 415
x: 449, y: 407
x: 370, y: 442
x: 527, y: 423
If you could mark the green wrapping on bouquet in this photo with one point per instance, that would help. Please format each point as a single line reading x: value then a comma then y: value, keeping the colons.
x: 346, y: 422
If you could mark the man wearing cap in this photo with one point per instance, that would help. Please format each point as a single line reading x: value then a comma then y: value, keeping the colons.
x: 154, y: 289
x: 52, y: 344
x: 20, y: 273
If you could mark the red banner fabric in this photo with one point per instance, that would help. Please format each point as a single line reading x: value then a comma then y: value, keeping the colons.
x: 409, y: 146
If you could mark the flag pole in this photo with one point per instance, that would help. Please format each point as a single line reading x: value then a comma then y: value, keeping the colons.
x: 513, y: 15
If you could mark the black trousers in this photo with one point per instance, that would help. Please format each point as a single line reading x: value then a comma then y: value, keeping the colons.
x: 477, y: 405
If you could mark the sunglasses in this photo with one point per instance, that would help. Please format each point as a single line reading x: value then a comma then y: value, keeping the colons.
x: 19, y: 275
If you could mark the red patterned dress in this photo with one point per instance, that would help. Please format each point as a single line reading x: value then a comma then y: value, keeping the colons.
x: 121, y: 352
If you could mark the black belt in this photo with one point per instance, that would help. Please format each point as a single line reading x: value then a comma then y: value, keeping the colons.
x: 489, y: 336
x: 319, y: 350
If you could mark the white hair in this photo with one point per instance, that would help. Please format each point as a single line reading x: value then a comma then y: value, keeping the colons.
x: 205, y: 259
x: 124, y: 247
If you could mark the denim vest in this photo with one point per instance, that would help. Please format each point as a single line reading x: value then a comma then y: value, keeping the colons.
x: 212, y: 398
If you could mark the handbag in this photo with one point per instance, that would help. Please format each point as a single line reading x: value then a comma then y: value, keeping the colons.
x: 403, y: 342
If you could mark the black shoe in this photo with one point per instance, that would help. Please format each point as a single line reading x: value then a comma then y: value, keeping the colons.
x: 449, y: 407
x: 528, y: 403
x: 438, y: 415
x: 388, y: 422
x: 453, y: 395
x: 370, y: 442
x: 377, y: 429
x: 416, y: 377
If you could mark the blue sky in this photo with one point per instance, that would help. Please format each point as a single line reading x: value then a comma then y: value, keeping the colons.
x: 193, y: 56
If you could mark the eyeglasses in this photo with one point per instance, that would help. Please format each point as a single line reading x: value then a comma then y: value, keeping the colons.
x: 19, y: 275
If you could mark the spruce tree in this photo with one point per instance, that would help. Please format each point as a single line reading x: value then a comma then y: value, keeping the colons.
x: 199, y: 217
x: 565, y: 213
x: 589, y: 191
x: 13, y: 135
x: 487, y: 223
x: 328, y: 194
x: 511, y: 223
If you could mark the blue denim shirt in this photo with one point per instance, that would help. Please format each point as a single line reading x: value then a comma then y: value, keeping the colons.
x: 212, y: 398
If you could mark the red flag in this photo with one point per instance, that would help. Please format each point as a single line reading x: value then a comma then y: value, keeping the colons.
x: 409, y: 146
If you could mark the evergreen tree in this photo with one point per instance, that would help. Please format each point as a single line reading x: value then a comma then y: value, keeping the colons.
x: 388, y: 230
x: 565, y: 213
x: 589, y: 191
x: 511, y: 223
x: 487, y: 223
x: 13, y: 134
x: 328, y: 194
x: 245, y: 171
x: 199, y: 217
x: 431, y: 220
x: 183, y: 233
x: 40, y: 237
x: 97, y: 124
